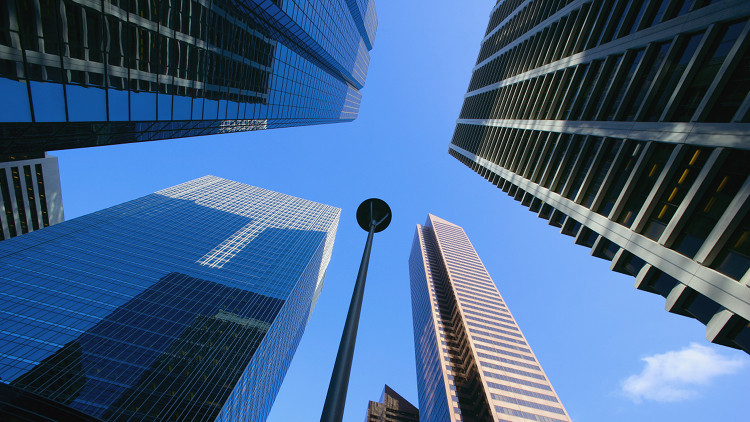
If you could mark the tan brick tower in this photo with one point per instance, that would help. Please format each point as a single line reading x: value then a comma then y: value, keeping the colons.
x: 473, y: 362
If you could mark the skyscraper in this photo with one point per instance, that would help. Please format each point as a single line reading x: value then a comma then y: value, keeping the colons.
x: 183, y: 305
x: 391, y: 408
x: 77, y: 73
x: 625, y: 123
x: 473, y: 362
x: 30, y: 194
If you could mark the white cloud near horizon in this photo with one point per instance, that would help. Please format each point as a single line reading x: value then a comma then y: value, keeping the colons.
x: 677, y: 375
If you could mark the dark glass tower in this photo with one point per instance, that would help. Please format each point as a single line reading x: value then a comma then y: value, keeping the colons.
x: 627, y: 124
x: 391, y: 408
x: 78, y: 73
x: 183, y: 305
x: 473, y: 362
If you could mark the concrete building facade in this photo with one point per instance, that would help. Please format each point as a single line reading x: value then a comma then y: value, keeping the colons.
x: 627, y: 125
x: 473, y: 362
x: 30, y: 194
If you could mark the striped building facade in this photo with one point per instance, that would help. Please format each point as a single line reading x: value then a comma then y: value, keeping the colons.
x: 626, y: 124
x: 473, y: 362
x: 30, y: 194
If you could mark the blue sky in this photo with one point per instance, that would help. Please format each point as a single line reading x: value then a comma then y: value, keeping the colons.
x: 589, y: 327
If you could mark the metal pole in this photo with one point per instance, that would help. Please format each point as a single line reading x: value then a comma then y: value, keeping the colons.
x: 333, y: 410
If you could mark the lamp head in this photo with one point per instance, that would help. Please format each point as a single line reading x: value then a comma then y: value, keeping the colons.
x: 376, y: 210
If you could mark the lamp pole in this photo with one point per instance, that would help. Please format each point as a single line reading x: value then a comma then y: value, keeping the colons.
x: 373, y: 216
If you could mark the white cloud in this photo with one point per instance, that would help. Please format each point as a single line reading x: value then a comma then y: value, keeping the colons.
x: 677, y: 375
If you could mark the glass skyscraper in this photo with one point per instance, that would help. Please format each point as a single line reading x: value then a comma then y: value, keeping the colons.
x: 626, y: 123
x: 391, y: 408
x: 183, y: 305
x: 77, y: 73
x: 473, y: 362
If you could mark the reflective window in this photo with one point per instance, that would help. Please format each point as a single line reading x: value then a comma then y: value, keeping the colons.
x: 161, y: 308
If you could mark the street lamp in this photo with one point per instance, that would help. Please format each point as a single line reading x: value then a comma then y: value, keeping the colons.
x: 373, y: 215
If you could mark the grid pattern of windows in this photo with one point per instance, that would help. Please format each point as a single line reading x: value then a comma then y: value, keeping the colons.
x: 586, y: 103
x: 119, y: 314
x: 445, y: 266
x: 77, y: 73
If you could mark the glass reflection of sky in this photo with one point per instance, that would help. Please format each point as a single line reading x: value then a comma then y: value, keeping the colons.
x: 200, y: 292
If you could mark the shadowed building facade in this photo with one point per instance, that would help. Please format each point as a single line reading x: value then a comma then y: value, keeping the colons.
x: 30, y: 194
x: 78, y: 73
x: 473, y: 362
x: 391, y: 408
x: 627, y: 124
x: 183, y: 305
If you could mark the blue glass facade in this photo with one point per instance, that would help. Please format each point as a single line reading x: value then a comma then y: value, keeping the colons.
x: 183, y: 305
x: 76, y: 73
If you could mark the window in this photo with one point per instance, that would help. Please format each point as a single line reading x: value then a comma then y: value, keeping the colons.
x: 672, y: 75
x: 711, y: 206
x: 676, y: 188
x: 734, y: 258
x: 644, y: 183
x: 707, y: 71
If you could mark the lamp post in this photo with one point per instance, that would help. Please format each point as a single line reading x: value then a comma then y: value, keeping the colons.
x: 373, y: 215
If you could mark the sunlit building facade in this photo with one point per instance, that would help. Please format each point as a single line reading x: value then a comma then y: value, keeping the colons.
x: 391, y: 408
x: 30, y: 194
x: 183, y: 305
x: 77, y: 73
x: 473, y: 362
x: 627, y: 124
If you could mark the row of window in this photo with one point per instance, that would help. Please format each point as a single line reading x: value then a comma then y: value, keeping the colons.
x: 429, y: 374
x: 497, y: 305
x: 613, y: 165
x: 480, y: 290
x: 642, y: 84
x: 331, y: 26
x: 428, y: 364
x: 527, y: 393
x: 473, y: 324
x: 499, y: 337
x: 512, y: 362
x: 147, y: 362
x: 552, y: 161
x: 530, y: 16
x: 245, y: 54
x: 23, y: 199
x: 487, y: 321
x: 527, y: 415
x: 526, y: 403
x: 518, y: 381
x: 592, y: 25
x: 485, y: 309
x: 90, y: 32
x: 457, y: 355
x: 84, y: 65
x: 517, y: 372
x: 474, y: 294
x: 504, y: 352
x: 462, y: 271
x: 501, y: 11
